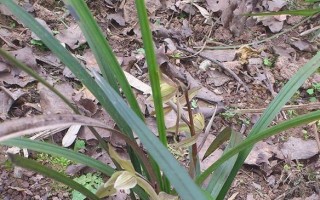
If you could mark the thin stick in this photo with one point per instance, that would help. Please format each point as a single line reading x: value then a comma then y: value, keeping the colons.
x: 207, y: 131
x: 192, y: 132
x: 309, y: 31
x: 261, y: 41
x: 289, y: 107
x: 219, y: 64
x: 174, y: 107
x: 316, y: 134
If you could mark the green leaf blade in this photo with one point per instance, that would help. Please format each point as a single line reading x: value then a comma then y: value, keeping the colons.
x: 34, y: 166
x: 59, y: 151
x: 177, y: 175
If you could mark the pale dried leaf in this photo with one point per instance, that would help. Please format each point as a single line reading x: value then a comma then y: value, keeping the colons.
x: 72, y: 36
x: 25, y: 126
x: 71, y: 135
x: 297, y: 148
x: 216, y: 6
x: 203, y: 11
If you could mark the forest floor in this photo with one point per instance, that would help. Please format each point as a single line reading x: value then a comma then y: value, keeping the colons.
x: 263, y: 53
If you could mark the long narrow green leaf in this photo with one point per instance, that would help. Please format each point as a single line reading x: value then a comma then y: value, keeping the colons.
x: 104, y: 55
x: 111, y: 100
x: 306, y: 12
x: 295, y: 122
x: 220, y: 176
x: 32, y: 165
x: 54, y: 45
x: 59, y: 151
x: 66, y: 153
x: 107, y: 61
x: 72, y: 64
x: 177, y: 175
x: 272, y: 110
x: 18, y: 64
x: 219, y: 140
x: 154, y: 71
x: 35, y: 75
x: 154, y: 76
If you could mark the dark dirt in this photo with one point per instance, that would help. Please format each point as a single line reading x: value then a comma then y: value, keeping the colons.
x: 274, y: 178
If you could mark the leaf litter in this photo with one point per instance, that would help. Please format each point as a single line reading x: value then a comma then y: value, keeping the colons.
x: 180, y: 24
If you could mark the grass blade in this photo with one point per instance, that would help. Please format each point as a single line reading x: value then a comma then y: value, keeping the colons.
x: 66, y: 153
x: 177, y: 175
x: 295, y: 122
x: 34, y: 166
x: 59, y: 151
x: 154, y: 76
x: 107, y: 62
x: 272, y: 110
x: 14, y: 62
x: 220, y: 176
x: 307, y: 12
x: 219, y: 140
x: 118, y: 109
x: 104, y: 55
x: 154, y: 71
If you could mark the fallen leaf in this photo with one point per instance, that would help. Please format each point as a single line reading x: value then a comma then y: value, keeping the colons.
x: 102, y: 116
x: 153, y: 5
x: 5, y: 104
x: 72, y: 36
x: 88, y: 106
x: 16, y: 77
x: 220, y: 55
x: 44, y: 25
x: 297, y: 148
x: 117, y: 17
x: 216, y: 6
x: 217, y: 78
x: 276, y: 5
x: 284, y: 51
x: 202, y: 11
x: 273, y: 24
x: 304, y: 45
x: 71, y: 135
x: 204, y: 93
x: 261, y: 153
x: 51, y: 103
x: 5, y: 11
x: 25, y: 55
x: 137, y: 84
x: 186, y: 7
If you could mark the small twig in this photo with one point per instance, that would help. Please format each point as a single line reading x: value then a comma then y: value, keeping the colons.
x: 178, y: 118
x: 174, y: 107
x: 6, y: 27
x: 196, y: 53
x: 204, y: 42
x: 219, y: 64
x: 309, y: 31
x: 316, y: 134
x: 260, y: 41
x: 192, y: 132
x: 289, y: 107
x: 9, y: 43
x: 207, y: 131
